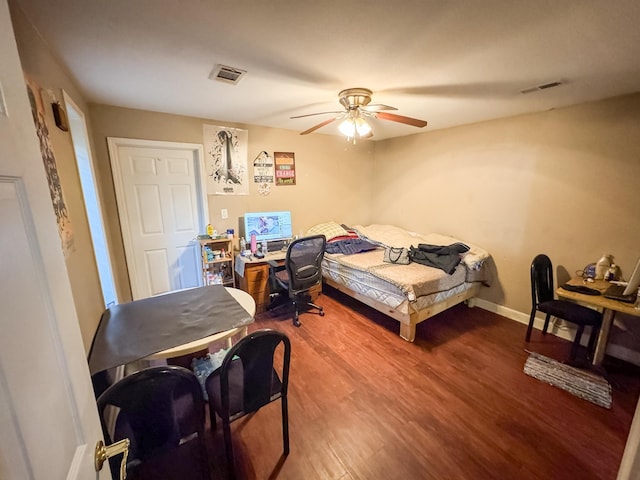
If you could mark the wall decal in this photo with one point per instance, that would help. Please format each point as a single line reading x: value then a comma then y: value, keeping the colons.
x: 51, y: 168
x: 263, y: 172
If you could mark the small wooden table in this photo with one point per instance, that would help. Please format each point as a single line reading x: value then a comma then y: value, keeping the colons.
x: 609, y: 308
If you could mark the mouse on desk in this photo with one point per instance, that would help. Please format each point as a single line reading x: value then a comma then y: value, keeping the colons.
x: 258, y: 254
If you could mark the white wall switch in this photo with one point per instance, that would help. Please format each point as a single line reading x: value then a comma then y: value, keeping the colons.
x: 224, y: 213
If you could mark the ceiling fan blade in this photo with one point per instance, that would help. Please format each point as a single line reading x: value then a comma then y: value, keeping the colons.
x: 312, y: 114
x: 401, y: 119
x: 377, y: 107
x: 320, y: 125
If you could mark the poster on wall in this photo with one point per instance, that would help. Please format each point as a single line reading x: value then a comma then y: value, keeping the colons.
x: 285, y: 166
x: 263, y: 172
x: 226, y: 160
x: 51, y: 168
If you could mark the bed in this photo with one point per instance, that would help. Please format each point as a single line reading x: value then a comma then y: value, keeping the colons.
x: 408, y: 293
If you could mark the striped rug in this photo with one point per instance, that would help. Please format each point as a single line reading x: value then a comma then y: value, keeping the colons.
x: 586, y: 385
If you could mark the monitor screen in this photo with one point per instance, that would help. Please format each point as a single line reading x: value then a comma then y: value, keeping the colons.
x: 268, y: 225
x: 634, y: 281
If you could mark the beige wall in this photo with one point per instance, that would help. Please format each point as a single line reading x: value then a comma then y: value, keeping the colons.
x: 562, y: 182
x: 38, y: 62
x: 333, y: 178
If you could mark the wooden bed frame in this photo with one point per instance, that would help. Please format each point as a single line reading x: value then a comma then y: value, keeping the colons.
x: 409, y: 321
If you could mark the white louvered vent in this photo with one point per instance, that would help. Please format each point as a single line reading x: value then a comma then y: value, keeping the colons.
x: 544, y: 86
x: 227, y: 74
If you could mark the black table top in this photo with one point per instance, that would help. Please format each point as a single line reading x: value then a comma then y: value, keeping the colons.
x: 135, y: 330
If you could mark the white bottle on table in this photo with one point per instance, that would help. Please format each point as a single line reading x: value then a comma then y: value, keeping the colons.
x: 602, y: 266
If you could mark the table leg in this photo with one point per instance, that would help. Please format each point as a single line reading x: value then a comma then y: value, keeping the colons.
x: 603, y: 336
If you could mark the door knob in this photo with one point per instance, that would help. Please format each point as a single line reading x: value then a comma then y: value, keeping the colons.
x: 103, y: 452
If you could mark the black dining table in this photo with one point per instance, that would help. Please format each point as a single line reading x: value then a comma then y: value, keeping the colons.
x: 131, y: 331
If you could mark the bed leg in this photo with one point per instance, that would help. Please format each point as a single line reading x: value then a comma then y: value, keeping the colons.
x: 408, y: 331
x: 471, y: 302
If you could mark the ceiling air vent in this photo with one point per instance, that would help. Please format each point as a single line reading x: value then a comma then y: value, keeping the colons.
x: 227, y: 74
x: 541, y: 87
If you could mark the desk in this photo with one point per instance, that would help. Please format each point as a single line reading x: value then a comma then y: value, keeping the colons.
x: 609, y: 308
x: 134, y: 330
x: 252, y: 276
x: 244, y: 299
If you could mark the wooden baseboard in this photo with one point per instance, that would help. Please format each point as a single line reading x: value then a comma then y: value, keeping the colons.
x: 566, y: 331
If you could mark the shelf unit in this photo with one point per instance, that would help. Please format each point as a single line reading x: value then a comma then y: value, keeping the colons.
x: 217, y: 270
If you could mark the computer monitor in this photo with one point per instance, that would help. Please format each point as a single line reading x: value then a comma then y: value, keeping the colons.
x: 634, y: 281
x: 268, y: 226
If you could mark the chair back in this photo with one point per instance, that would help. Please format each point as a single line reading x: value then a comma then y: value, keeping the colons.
x: 304, y: 262
x: 541, y: 280
x: 157, y: 409
x: 260, y: 383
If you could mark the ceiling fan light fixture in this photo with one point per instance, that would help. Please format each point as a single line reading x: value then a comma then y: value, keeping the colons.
x: 362, y: 127
x: 352, y: 126
x: 348, y: 127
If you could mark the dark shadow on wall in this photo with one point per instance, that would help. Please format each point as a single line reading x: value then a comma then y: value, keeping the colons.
x: 495, y: 292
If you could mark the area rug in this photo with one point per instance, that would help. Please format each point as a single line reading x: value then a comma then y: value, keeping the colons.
x: 586, y: 385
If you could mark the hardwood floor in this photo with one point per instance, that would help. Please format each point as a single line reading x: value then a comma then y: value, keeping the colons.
x: 365, y: 404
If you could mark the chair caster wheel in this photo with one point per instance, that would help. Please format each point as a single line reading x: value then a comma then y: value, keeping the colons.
x: 321, y: 313
x: 296, y: 322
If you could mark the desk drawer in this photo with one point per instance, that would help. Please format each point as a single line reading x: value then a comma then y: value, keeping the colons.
x: 256, y: 273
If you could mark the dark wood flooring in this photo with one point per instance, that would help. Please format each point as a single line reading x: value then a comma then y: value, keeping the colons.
x: 365, y: 404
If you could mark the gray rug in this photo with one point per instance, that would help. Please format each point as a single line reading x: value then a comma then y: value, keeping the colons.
x: 586, y: 385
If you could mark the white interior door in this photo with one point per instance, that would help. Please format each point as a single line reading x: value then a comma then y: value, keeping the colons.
x: 48, y: 419
x: 162, y: 203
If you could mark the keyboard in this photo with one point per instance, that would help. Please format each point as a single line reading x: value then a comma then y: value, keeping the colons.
x: 580, y: 289
x: 276, y: 245
x: 616, y: 292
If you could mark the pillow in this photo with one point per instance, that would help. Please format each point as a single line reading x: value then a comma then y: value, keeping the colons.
x: 330, y: 230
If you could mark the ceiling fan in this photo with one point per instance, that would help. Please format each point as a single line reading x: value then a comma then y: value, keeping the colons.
x: 358, y: 109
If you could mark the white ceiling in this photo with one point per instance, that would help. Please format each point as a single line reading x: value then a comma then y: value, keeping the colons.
x: 448, y: 62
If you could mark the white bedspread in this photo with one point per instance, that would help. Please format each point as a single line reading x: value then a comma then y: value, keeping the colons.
x: 392, y: 236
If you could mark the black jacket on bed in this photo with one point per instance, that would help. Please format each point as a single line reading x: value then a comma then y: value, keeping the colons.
x: 445, y: 258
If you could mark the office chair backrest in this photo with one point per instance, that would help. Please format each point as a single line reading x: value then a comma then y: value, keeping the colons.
x: 541, y: 279
x: 259, y: 385
x: 157, y: 408
x: 304, y: 262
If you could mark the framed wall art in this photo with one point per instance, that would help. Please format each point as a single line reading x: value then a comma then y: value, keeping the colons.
x: 226, y: 160
x: 285, y: 167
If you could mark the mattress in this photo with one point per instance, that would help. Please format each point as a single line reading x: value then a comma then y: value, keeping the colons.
x: 370, y: 285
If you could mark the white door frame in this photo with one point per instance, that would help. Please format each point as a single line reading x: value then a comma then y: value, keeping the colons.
x: 97, y: 226
x: 203, y: 209
x: 49, y: 422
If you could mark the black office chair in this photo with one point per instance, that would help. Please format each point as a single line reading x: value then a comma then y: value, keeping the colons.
x: 302, y: 270
x: 246, y: 381
x: 159, y: 409
x: 542, y: 298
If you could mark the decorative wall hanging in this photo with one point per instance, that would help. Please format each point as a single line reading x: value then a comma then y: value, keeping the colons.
x: 51, y: 169
x: 263, y: 172
x: 285, y: 165
x: 226, y: 160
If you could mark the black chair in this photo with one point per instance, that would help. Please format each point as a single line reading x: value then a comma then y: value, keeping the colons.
x: 246, y: 381
x: 542, y: 298
x: 302, y: 270
x: 161, y: 411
